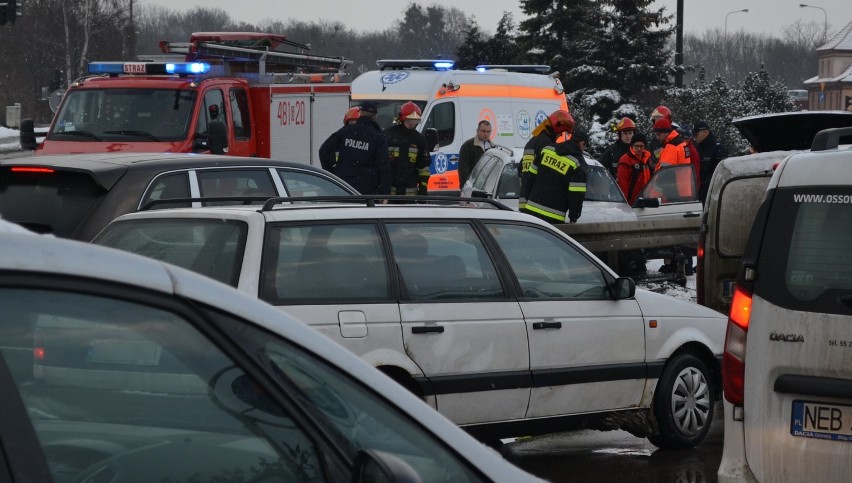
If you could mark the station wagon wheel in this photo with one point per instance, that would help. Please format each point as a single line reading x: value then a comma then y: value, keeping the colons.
x: 683, y: 403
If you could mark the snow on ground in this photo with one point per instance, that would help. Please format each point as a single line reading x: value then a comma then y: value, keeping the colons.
x: 673, y: 289
x: 9, y: 139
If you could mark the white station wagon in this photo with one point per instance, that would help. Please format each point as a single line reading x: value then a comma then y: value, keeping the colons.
x: 497, y: 319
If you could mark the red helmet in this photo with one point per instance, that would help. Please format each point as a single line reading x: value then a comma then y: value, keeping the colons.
x: 409, y: 111
x: 561, y: 121
x: 662, y: 111
x: 351, y: 115
x: 625, y: 124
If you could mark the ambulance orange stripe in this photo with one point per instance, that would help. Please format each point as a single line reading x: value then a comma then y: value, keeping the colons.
x: 485, y: 90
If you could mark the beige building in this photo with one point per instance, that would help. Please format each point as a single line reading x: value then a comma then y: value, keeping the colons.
x: 831, y: 89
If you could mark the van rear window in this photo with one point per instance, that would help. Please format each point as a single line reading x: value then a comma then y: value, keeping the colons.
x: 45, y: 200
x: 805, y: 259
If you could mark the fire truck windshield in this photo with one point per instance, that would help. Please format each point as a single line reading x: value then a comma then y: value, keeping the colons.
x: 128, y: 115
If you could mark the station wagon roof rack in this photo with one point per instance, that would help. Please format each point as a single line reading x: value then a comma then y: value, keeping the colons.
x: 243, y: 200
x: 377, y: 200
x: 830, y: 138
x: 530, y: 69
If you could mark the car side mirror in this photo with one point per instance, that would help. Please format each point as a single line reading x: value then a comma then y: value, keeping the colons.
x: 623, y: 288
x: 217, y: 137
x: 647, y: 203
x: 373, y: 466
x: 431, y: 135
x: 28, y: 138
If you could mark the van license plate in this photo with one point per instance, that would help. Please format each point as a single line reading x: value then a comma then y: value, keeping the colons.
x: 822, y: 421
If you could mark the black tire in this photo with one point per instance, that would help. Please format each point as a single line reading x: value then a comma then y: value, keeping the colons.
x: 683, y: 403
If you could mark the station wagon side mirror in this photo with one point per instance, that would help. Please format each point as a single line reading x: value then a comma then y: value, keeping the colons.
x: 623, y: 288
x: 647, y: 203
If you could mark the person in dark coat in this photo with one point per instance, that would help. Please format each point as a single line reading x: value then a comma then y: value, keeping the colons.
x: 358, y: 154
x: 711, y: 152
x: 472, y: 149
x: 409, y: 153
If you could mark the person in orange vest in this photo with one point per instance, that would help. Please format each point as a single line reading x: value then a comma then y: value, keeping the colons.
x: 675, y: 150
x: 635, y: 167
x: 663, y: 112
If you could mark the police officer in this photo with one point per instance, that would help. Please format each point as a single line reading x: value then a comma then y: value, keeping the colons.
x: 555, y: 184
x: 358, y: 153
x: 409, y: 155
x: 545, y: 134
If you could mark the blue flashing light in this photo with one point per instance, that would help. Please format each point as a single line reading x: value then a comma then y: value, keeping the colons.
x: 444, y: 64
x: 149, y: 68
x: 481, y: 69
x: 188, y: 68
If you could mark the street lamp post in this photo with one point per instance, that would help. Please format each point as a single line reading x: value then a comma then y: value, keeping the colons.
x: 825, y: 20
x: 745, y: 10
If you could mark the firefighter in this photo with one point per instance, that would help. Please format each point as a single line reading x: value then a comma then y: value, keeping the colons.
x: 358, y: 153
x: 409, y: 155
x: 555, y: 184
x: 635, y: 168
x: 675, y: 151
x: 545, y: 134
x: 625, y: 129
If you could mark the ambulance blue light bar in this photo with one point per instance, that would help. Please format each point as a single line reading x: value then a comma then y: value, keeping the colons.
x: 444, y: 64
x: 149, y: 68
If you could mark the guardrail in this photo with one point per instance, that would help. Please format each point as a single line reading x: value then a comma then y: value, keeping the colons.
x: 612, y: 237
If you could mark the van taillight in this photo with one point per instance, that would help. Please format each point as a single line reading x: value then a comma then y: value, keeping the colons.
x: 699, y: 267
x: 38, y: 353
x: 32, y: 169
x: 733, y: 361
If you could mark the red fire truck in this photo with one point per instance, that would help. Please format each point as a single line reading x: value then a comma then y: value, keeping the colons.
x: 241, y: 94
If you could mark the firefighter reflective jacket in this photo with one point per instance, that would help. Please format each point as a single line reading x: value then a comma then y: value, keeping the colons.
x: 531, y: 151
x: 556, y: 183
x: 409, y: 158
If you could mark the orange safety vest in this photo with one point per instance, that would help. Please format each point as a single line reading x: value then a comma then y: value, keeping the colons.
x: 676, y: 151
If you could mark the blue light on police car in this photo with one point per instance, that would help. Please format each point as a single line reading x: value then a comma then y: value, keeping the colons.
x: 444, y: 64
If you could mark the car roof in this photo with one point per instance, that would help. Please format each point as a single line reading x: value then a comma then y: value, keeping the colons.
x: 786, y: 131
x: 54, y: 256
x: 107, y: 168
x: 815, y: 168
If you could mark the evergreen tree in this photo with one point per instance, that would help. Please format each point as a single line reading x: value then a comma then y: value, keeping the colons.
x: 558, y: 32
x: 472, y: 50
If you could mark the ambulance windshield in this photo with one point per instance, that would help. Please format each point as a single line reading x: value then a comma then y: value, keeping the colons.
x: 388, y: 110
x: 129, y: 115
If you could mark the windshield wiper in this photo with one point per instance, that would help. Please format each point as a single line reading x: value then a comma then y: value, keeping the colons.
x: 143, y: 134
x: 85, y: 134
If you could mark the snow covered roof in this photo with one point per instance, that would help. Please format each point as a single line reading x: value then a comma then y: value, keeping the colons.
x: 845, y: 76
x: 841, y: 41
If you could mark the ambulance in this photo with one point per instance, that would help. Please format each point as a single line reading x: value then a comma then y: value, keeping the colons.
x: 513, y: 98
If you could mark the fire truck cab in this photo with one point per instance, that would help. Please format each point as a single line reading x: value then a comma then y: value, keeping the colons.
x: 514, y: 98
x: 240, y: 94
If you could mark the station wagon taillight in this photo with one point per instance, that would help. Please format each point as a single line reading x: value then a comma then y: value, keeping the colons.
x: 733, y: 361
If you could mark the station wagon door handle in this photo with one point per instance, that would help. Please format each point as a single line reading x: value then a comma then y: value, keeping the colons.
x: 691, y: 214
x: 547, y: 325
x: 425, y: 329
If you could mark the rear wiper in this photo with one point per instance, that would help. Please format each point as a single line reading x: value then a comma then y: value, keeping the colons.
x: 85, y: 134
x: 143, y: 134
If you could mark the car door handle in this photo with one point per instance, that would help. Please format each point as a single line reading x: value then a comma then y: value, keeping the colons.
x: 425, y: 329
x: 547, y: 325
x: 691, y: 214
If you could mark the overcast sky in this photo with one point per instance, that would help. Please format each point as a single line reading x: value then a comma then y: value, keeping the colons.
x: 767, y: 16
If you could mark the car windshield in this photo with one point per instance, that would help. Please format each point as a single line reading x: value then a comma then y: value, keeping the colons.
x: 389, y: 109
x: 601, y: 187
x: 138, y: 115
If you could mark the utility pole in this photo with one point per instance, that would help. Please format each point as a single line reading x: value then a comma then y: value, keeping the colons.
x: 679, y: 45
